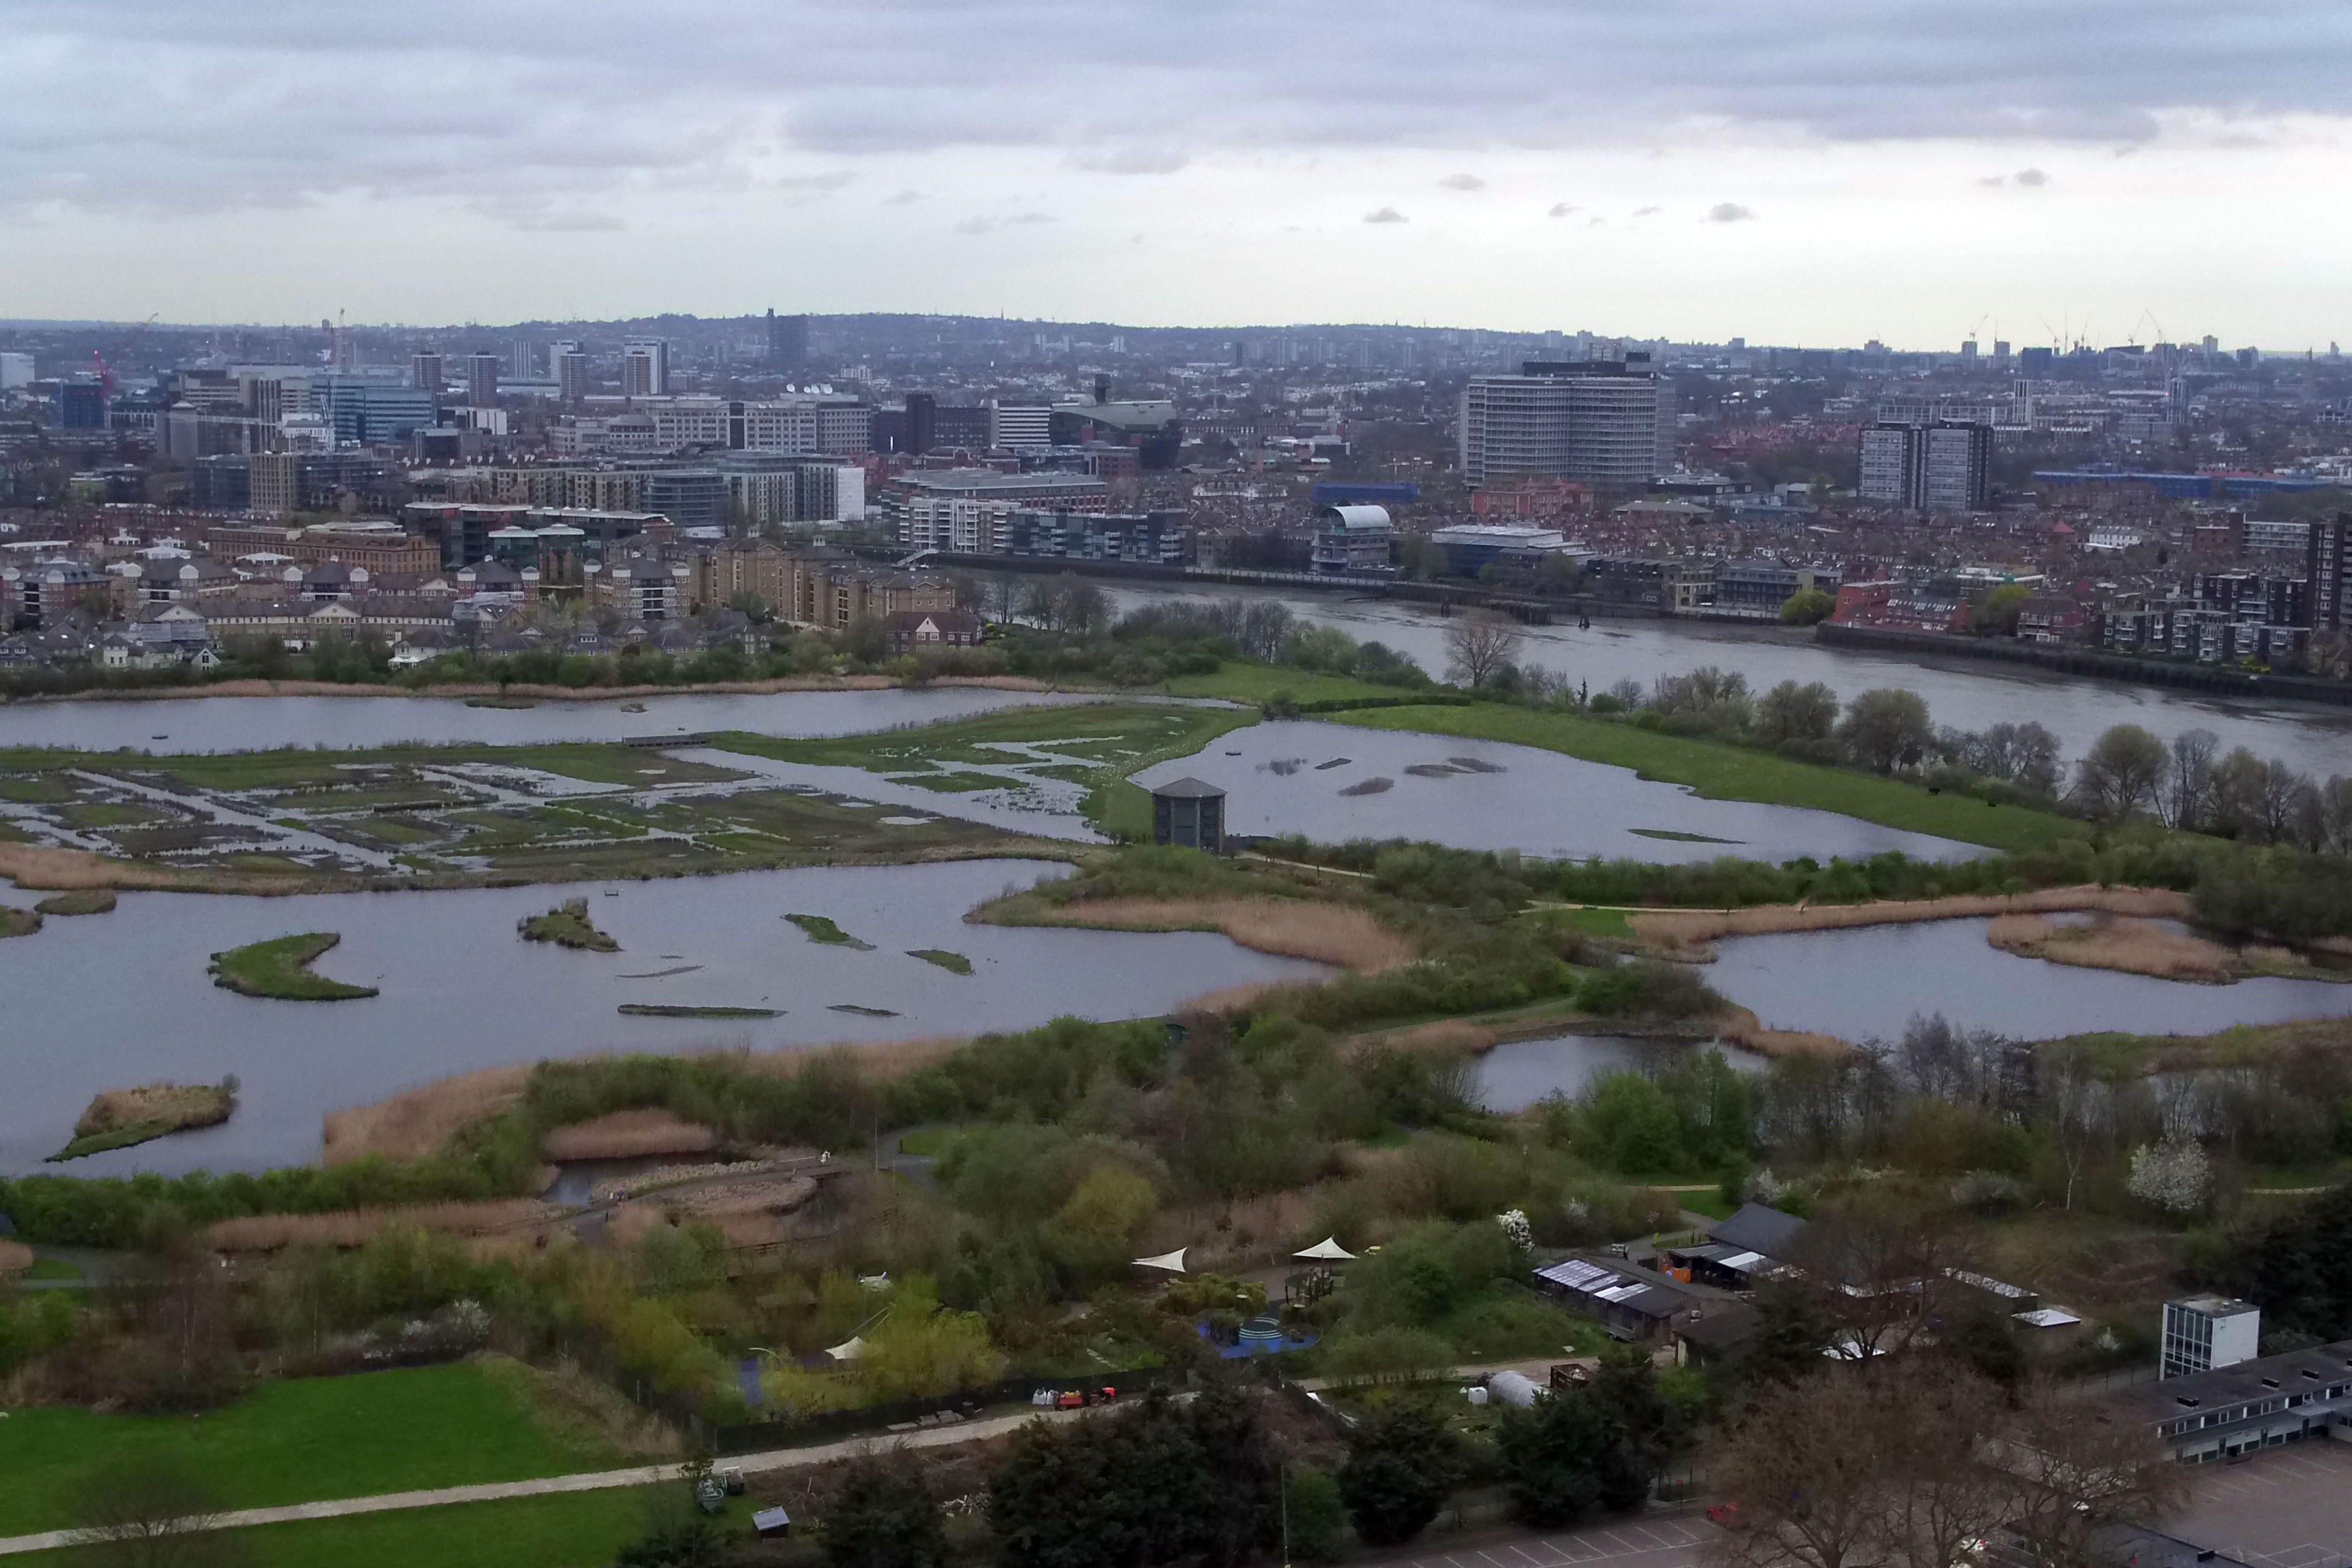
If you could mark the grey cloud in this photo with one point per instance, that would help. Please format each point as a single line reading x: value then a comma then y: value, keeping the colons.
x: 1647, y: 211
x: 247, y: 103
x: 567, y: 222
x: 1561, y: 210
x: 1386, y: 216
x: 1462, y: 182
x: 981, y: 225
x: 1727, y: 212
x: 1131, y: 161
x: 903, y: 199
x: 2032, y: 177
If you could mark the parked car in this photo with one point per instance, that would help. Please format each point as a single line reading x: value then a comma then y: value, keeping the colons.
x: 1728, y: 1515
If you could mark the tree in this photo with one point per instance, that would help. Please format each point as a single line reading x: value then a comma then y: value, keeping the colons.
x: 1887, y: 729
x: 1313, y: 1514
x: 2300, y: 1268
x: 1629, y: 1127
x: 1807, y: 1470
x: 2121, y: 771
x: 1807, y: 607
x: 1478, y: 647
x: 2174, y: 1176
x: 2071, y: 1472
x: 1944, y: 1494
x: 1562, y: 1455
x: 2189, y: 788
x: 1793, y: 711
x: 1401, y: 1465
x: 882, y: 1516
x: 1995, y: 615
x: 151, y: 1513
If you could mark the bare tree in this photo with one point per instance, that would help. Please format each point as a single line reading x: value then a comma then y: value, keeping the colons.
x: 1943, y: 1496
x: 2070, y: 1094
x: 1477, y: 647
x: 2189, y: 792
x: 1808, y: 1475
x: 2073, y: 1471
x: 150, y: 1514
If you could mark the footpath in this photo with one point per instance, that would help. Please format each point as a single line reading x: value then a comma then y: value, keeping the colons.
x: 594, y: 1480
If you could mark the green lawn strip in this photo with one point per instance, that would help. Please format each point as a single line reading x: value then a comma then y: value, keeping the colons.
x: 820, y: 929
x: 1248, y: 682
x: 567, y: 926
x: 1722, y: 772
x: 298, y: 1441
x: 16, y: 922
x: 50, y: 1269
x: 953, y: 963
x: 279, y: 968
x: 566, y: 1530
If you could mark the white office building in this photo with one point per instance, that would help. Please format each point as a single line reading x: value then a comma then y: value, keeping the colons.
x: 15, y: 371
x: 2203, y: 1333
x: 1598, y: 422
x: 644, y: 368
x: 1013, y: 425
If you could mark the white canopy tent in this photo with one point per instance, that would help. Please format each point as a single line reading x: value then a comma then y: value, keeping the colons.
x: 1327, y: 1250
x: 848, y: 1350
x: 1173, y: 1262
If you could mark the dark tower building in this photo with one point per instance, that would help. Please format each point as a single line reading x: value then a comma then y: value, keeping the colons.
x: 787, y: 341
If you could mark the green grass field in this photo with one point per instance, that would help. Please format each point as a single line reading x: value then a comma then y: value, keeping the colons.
x: 1735, y: 773
x: 299, y: 1441
x: 1241, y: 683
x: 579, y: 1530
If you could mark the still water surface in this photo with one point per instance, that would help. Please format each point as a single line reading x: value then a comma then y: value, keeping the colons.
x: 1867, y: 984
x: 1965, y: 694
x: 112, y: 1001
x: 1278, y: 778
x: 1516, y: 1073
x: 259, y: 724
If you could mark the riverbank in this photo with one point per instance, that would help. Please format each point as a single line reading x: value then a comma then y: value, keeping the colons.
x: 531, y: 692
x: 1685, y: 935
x: 2098, y: 664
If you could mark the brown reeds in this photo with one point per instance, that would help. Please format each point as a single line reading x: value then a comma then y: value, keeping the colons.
x: 1292, y: 928
x: 54, y: 870
x: 416, y: 1121
x: 1745, y: 1029
x: 15, y: 1257
x: 354, y: 1228
x: 172, y: 1105
x: 2111, y: 942
x: 627, y: 1135
x: 1444, y: 1036
x: 1686, y: 932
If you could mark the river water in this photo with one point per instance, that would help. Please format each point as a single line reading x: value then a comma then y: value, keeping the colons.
x: 1867, y: 984
x: 1294, y: 777
x: 176, y: 724
x: 114, y: 1000
x: 1965, y: 694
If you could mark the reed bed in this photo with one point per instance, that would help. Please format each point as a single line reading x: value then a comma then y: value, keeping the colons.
x: 1686, y: 932
x: 1444, y: 1036
x: 15, y: 1257
x: 53, y: 870
x: 1745, y: 1029
x: 2111, y: 942
x: 1324, y: 933
x: 413, y: 1123
x: 356, y: 1228
x: 628, y: 1135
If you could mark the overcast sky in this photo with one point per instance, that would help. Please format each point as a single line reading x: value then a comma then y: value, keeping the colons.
x: 1794, y: 171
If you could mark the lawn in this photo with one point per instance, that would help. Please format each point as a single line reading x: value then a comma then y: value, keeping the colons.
x: 1247, y: 683
x: 1735, y: 773
x: 575, y: 1530
x: 299, y: 1441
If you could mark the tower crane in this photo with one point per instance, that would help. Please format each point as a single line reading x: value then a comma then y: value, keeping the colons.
x: 105, y: 370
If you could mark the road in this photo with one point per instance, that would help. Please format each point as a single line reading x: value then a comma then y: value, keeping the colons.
x: 1653, y: 1540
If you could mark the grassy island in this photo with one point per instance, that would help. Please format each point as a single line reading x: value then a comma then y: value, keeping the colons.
x: 16, y: 922
x: 567, y: 926
x: 280, y: 968
x: 818, y: 929
x: 953, y: 963
x: 118, y: 1118
x: 86, y: 901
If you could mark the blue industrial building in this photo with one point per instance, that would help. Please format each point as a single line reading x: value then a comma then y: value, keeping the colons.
x: 2183, y: 486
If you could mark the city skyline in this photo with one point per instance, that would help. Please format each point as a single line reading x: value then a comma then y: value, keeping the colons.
x: 1829, y: 174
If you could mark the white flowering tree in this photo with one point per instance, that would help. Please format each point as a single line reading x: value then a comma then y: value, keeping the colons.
x: 2174, y: 1176
x: 1516, y: 1228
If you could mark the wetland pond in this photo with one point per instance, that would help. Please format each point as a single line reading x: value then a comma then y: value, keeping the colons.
x: 179, y: 725
x: 1867, y: 984
x: 1517, y: 1073
x: 1326, y: 780
x: 119, y: 999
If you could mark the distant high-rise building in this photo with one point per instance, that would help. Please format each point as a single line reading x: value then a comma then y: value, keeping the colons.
x: 522, y: 360
x: 1013, y: 425
x: 2327, y: 565
x: 482, y: 371
x: 78, y: 405
x: 1968, y: 352
x: 2001, y: 351
x: 568, y: 364
x: 15, y: 371
x: 1931, y: 464
x: 1599, y: 422
x: 787, y: 341
x: 922, y: 421
x: 426, y: 373
x: 644, y: 368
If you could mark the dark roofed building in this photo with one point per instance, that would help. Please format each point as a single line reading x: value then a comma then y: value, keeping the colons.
x: 1189, y: 812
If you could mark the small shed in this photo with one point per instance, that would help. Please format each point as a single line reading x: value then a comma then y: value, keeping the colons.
x: 1189, y: 812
